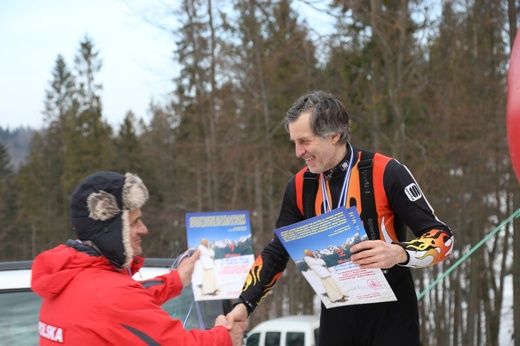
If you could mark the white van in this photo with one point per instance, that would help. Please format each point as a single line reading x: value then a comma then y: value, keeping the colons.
x: 299, y: 330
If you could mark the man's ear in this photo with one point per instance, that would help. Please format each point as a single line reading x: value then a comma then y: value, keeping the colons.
x: 335, y: 138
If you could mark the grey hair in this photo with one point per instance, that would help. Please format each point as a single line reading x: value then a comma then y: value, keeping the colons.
x: 328, y: 115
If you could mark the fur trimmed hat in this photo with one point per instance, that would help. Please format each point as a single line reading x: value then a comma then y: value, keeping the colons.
x: 100, y: 208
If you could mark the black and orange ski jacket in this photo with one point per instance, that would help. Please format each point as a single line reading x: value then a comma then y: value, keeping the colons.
x: 400, y: 204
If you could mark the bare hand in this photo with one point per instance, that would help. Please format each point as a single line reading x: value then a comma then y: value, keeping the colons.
x: 238, y: 314
x: 186, y: 267
x: 237, y: 333
x: 377, y: 254
x: 221, y: 321
x: 236, y: 329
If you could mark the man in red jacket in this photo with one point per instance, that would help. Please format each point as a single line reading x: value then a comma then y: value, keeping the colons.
x: 89, y: 295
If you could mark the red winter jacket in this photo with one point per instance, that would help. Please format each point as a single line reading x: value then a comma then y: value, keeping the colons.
x: 86, y: 301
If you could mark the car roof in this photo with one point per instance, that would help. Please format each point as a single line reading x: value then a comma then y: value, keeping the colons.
x: 17, y: 274
x: 295, y: 322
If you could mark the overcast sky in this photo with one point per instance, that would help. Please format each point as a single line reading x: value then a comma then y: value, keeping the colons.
x: 136, y: 56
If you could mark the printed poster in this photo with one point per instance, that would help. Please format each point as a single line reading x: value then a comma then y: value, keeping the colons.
x: 320, y: 248
x: 224, y: 240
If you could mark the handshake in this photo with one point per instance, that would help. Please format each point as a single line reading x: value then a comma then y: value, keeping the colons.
x: 235, y: 322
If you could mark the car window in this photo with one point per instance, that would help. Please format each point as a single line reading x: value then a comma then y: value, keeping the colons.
x: 295, y: 339
x: 183, y: 308
x: 253, y: 339
x: 272, y: 338
x: 19, y: 310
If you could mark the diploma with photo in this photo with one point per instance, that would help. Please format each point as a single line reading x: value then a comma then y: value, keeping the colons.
x: 226, y: 253
x: 320, y: 247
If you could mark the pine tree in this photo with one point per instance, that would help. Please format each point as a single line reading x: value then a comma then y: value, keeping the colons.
x: 6, y: 168
x: 44, y: 200
x: 127, y: 147
x: 12, y: 237
x: 89, y: 146
x: 5, y: 172
x: 60, y: 100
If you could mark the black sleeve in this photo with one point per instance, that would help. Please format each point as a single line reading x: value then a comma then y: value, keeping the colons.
x: 272, y: 261
x: 408, y: 201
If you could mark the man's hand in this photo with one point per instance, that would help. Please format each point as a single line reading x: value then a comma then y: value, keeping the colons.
x: 377, y: 254
x: 186, y: 267
x: 236, y: 318
x: 238, y: 314
x: 236, y: 329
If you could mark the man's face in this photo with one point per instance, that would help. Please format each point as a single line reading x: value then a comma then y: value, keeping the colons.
x: 137, y: 229
x: 320, y: 154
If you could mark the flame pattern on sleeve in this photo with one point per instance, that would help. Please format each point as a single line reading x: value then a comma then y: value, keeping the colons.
x: 430, y: 248
x: 254, y: 279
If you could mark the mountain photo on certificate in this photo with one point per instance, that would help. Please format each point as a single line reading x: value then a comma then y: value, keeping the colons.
x: 320, y: 248
x: 226, y: 253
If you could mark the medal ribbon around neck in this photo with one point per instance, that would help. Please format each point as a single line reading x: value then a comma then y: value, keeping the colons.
x: 327, y: 203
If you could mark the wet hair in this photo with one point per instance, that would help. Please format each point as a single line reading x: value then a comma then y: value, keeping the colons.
x: 328, y: 115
